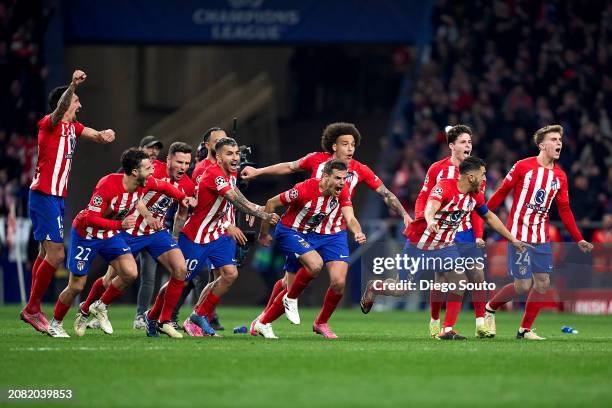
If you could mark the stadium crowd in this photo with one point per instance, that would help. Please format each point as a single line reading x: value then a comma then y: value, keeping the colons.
x: 22, y: 89
x: 507, y: 68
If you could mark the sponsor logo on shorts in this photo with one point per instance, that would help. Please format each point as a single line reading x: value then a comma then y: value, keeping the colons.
x: 522, y: 270
x: 343, y: 256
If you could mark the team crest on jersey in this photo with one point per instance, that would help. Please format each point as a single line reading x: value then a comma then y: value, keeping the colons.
x: 80, y: 265
x: 97, y: 201
x: 220, y: 182
x: 198, y: 179
x: 293, y: 194
x: 349, y: 176
x: 333, y: 204
x: 553, y: 184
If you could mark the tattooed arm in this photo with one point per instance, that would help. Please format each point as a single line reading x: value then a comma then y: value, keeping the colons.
x: 65, y: 100
x: 235, y: 197
x: 393, y: 203
x: 180, y: 218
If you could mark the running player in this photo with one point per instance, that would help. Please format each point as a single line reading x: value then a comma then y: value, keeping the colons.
x: 310, y: 203
x: 97, y: 230
x: 339, y: 141
x: 148, y: 234
x: 210, y: 139
x: 468, y: 238
x: 431, y: 237
x: 203, y: 237
x: 536, y: 182
x: 57, y: 136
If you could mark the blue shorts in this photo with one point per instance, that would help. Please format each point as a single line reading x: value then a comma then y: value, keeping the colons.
x: 220, y: 252
x: 331, y: 247
x: 466, y: 244
x: 83, y: 251
x: 421, y: 260
x: 533, y: 260
x: 47, y: 215
x: 155, y: 244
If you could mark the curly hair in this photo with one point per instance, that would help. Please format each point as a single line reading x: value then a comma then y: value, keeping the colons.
x: 334, y: 130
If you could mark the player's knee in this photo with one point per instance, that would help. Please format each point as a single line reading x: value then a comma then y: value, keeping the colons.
x: 522, y: 286
x: 542, y: 283
x: 56, y: 256
x: 230, y: 275
x: 76, y: 286
x: 315, y: 267
x: 337, y: 285
x: 130, y: 274
x: 180, y: 272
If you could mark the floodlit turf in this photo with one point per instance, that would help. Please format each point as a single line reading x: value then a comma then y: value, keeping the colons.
x: 382, y: 359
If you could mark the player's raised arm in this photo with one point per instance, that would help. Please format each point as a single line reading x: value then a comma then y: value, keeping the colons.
x: 235, y: 197
x: 278, y: 169
x: 98, y: 136
x: 65, y: 100
x: 393, y: 203
x: 353, y: 225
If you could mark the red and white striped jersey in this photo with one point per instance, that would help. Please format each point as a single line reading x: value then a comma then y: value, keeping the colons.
x: 196, y: 176
x: 111, y: 202
x: 157, y: 202
x: 455, y: 206
x: 206, y: 223
x: 55, y: 149
x: 535, y: 187
x: 442, y: 169
x: 357, y: 173
x: 308, y: 207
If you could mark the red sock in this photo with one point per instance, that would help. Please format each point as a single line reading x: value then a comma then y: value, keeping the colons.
x: 278, y: 286
x: 156, y: 310
x: 110, y: 294
x: 97, y: 289
x: 329, y: 305
x: 302, y: 279
x: 453, y: 307
x: 275, y: 310
x: 207, y: 306
x: 503, y: 296
x: 535, y: 302
x: 479, y: 300
x: 44, y: 275
x: 173, y: 293
x: 35, y: 270
x: 60, y: 310
x: 436, y: 299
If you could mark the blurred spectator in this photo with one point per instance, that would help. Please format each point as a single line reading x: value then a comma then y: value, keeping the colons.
x: 22, y: 97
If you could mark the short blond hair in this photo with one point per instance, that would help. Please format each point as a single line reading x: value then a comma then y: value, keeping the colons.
x: 540, y: 134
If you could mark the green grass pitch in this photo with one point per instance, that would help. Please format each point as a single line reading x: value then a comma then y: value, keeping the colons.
x: 382, y: 359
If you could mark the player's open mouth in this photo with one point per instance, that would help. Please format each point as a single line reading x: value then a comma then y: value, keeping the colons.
x: 468, y: 152
x: 349, y: 156
x: 558, y: 150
